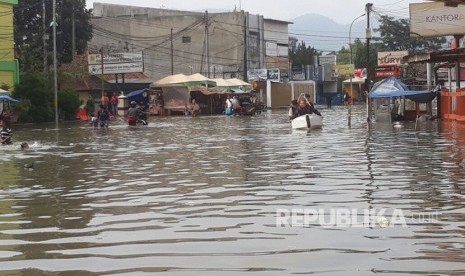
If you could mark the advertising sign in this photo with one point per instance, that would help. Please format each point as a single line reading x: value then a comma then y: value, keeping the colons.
x: 116, y: 63
x: 271, y: 48
x: 391, y: 58
x: 436, y: 19
x: 328, y: 59
x: 257, y: 74
x: 387, y: 71
x: 343, y: 69
x: 274, y: 75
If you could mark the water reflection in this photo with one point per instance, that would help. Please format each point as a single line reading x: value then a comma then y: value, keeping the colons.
x: 199, y: 196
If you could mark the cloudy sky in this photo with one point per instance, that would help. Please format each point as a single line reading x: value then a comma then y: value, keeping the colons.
x: 341, y: 11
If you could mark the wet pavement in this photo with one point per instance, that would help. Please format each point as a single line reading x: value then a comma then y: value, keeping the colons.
x: 209, y: 196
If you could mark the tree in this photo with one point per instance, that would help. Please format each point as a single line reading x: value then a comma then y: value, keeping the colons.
x: 36, y: 99
x: 395, y: 36
x: 343, y: 56
x: 29, y: 31
x: 68, y: 104
x: 303, y: 55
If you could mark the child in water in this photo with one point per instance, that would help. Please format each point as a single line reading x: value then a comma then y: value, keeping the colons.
x: 24, y: 146
x: 93, y: 120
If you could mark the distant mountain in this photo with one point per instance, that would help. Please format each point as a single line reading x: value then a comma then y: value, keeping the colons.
x: 325, y: 34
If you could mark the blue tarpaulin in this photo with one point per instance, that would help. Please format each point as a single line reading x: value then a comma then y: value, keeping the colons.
x: 392, y: 87
x: 7, y: 98
x: 139, y: 96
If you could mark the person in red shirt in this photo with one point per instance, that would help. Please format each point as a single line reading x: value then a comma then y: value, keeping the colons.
x: 114, y: 105
x: 105, y: 100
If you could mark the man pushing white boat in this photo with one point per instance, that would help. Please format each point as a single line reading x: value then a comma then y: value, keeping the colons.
x: 304, y: 115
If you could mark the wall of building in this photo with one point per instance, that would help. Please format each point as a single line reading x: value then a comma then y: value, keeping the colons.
x: 9, y: 69
x: 133, y: 29
x: 277, y: 46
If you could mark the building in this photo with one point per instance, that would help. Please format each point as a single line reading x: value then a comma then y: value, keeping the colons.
x: 9, y: 69
x: 217, y: 45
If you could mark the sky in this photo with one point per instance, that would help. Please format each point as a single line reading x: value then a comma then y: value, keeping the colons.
x: 341, y: 11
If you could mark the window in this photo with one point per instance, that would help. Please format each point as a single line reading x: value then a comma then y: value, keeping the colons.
x: 186, y: 39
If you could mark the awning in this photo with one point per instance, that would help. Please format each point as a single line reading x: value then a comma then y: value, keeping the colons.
x: 355, y: 80
x: 451, y: 55
x: 183, y: 80
x: 7, y: 98
x: 392, y: 87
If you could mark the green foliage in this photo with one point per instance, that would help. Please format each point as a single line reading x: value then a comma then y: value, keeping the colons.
x: 343, y: 56
x: 303, y: 55
x: 29, y: 31
x: 5, y: 86
x: 68, y: 104
x: 36, y: 99
x: 396, y: 36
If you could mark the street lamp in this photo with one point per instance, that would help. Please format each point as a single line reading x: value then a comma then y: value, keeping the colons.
x: 350, y: 62
x: 350, y: 47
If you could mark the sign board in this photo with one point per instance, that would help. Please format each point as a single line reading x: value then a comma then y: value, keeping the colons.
x: 360, y: 72
x: 274, y: 75
x: 271, y: 48
x: 391, y: 58
x: 436, y: 19
x: 343, y: 69
x: 257, y: 74
x: 116, y: 63
x: 328, y: 59
x: 387, y: 71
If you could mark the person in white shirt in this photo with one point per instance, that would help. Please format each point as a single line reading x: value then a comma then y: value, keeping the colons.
x: 228, y: 110
x: 236, y: 105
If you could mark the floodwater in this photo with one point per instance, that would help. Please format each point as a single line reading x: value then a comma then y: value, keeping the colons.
x: 234, y: 196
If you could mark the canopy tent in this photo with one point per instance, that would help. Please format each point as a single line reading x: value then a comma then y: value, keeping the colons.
x: 238, y: 82
x: 199, y: 79
x: 183, y: 80
x: 7, y: 98
x: 355, y: 80
x: 392, y: 87
x: 354, y: 93
x: 222, y: 83
x: 170, y: 80
x: 4, y: 92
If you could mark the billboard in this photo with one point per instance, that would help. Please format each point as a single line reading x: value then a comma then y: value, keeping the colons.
x: 257, y: 74
x: 271, y: 48
x: 387, y: 71
x: 343, y: 69
x: 328, y: 59
x: 273, y: 74
x: 391, y: 58
x: 436, y: 19
x: 116, y: 63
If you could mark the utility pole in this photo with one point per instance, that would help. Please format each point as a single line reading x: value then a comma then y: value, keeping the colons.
x: 73, y: 32
x: 55, y: 66
x: 172, y: 53
x: 207, y: 57
x: 102, y: 66
x: 244, y: 75
x: 368, y: 7
x: 44, y: 36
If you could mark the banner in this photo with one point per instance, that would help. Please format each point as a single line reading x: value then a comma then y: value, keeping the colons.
x: 116, y: 63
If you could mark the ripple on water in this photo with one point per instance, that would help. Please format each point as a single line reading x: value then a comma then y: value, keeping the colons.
x: 202, y: 195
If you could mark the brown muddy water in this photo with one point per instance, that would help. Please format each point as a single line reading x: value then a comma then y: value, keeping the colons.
x: 203, y: 196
